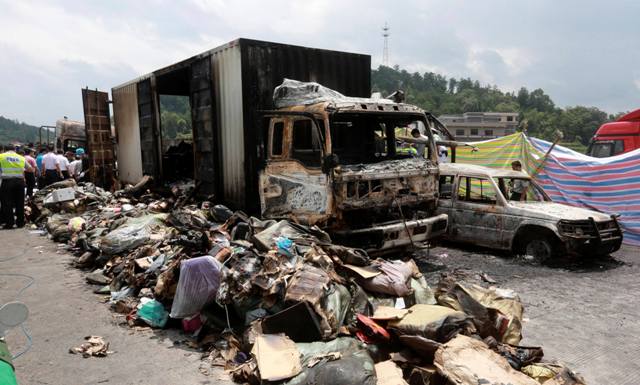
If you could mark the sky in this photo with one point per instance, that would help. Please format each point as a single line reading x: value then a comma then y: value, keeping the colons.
x: 579, y: 52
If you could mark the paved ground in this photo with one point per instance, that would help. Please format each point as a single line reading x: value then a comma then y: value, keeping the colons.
x: 584, y: 314
x: 64, y: 310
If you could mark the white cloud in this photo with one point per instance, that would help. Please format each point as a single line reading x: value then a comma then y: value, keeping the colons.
x: 578, y: 55
x: 518, y: 60
x: 50, y: 34
x: 280, y: 17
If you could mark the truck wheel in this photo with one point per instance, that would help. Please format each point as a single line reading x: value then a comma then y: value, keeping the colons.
x: 540, y: 248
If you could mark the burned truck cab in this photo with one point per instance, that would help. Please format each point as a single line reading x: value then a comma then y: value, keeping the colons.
x: 338, y: 164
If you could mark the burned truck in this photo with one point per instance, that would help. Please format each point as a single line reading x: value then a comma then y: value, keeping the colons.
x: 335, y: 162
x: 70, y: 135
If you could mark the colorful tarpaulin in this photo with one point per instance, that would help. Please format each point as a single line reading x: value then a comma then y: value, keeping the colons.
x: 610, y: 185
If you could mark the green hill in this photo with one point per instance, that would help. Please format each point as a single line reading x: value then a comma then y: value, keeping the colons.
x: 14, y: 131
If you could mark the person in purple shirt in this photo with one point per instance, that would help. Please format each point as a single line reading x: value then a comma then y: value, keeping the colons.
x: 30, y: 176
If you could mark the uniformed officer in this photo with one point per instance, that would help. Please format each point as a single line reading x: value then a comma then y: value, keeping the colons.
x: 12, y: 168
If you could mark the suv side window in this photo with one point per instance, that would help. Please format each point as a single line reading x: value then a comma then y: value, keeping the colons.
x: 305, y: 145
x: 446, y: 186
x: 476, y: 190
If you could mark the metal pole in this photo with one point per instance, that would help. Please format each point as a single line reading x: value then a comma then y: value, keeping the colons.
x: 47, y: 128
x: 539, y: 167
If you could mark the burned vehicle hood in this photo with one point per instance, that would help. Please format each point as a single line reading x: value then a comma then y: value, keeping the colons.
x: 386, y: 169
x: 557, y: 211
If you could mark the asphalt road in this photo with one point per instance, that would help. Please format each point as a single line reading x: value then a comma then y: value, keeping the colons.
x: 584, y: 314
x: 63, y: 310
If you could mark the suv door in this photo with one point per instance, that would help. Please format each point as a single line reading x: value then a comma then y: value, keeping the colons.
x: 292, y: 185
x: 477, y: 213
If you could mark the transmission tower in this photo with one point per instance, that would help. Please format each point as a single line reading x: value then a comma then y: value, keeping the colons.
x: 385, y: 49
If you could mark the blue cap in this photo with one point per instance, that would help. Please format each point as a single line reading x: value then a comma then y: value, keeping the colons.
x: 80, y: 151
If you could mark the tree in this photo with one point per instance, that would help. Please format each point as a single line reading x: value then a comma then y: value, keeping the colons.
x: 538, y: 113
x: 523, y: 98
x: 12, y: 130
x: 175, y: 116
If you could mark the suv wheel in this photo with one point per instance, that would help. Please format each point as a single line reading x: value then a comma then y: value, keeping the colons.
x: 539, y: 248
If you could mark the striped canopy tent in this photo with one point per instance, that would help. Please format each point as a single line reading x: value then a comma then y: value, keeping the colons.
x: 610, y: 185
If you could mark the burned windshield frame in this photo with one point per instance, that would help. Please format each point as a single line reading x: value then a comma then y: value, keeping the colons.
x: 306, y: 145
x: 360, y: 138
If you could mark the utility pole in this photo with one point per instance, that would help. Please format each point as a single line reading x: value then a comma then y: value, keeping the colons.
x: 385, y: 50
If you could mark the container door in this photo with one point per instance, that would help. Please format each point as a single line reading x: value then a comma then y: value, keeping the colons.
x: 148, y: 135
x: 203, y: 125
x: 98, y: 132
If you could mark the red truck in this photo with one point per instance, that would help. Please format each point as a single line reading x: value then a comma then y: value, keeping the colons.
x: 617, y: 137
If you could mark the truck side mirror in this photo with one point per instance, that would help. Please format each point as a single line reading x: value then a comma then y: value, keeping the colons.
x: 329, y: 163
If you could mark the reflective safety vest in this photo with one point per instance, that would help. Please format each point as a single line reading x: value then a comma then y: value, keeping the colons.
x: 11, y: 165
x: 407, y: 150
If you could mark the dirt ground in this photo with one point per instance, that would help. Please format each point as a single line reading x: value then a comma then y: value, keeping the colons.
x: 583, y: 313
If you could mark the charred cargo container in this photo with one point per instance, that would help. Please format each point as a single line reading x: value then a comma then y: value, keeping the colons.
x: 225, y: 89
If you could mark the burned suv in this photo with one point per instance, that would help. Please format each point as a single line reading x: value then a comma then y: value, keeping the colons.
x: 335, y: 162
x: 484, y: 209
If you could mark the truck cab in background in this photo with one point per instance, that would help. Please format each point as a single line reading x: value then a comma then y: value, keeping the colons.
x: 70, y: 135
x: 617, y: 137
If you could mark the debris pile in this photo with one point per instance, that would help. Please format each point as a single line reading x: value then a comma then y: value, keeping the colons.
x: 276, y: 301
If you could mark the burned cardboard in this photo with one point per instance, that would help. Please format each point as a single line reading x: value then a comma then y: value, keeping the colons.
x: 393, y: 279
x: 388, y: 373
x: 434, y: 322
x: 424, y: 347
x: 308, y: 284
x: 95, y: 346
x: 388, y: 313
x: 468, y: 361
x: 277, y: 356
x: 497, y: 312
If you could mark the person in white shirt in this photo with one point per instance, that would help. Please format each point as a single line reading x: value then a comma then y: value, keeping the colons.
x: 75, y: 168
x: 51, y: 167
x: 64, y: 164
